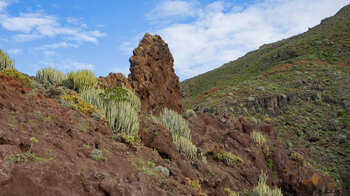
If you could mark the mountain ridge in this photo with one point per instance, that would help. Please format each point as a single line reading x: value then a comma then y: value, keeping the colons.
x: 300, y: 83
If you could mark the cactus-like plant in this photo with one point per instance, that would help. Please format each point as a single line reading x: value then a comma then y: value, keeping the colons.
x: 258, y: 138
x: 82, y: 79
x: 121, y: 111
x: 49, y: 75
x: 185, y: 146
x: 75, y: 101
x: 180, y: 131
x: 118, y: 94
x: 228, y: 158
x: 122, y: 118
x: 189, y: 113
x: 174, y: 123
x: 5, y: 61
x: 92, y: 96
x: 263, y: 190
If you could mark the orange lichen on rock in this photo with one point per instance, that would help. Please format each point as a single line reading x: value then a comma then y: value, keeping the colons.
x: 216, y: 149
x: 315, y: 179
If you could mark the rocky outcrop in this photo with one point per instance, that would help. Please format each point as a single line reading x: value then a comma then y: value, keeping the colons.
x: 153, y: 77
x: 113, y: 80
x: 156, y: 137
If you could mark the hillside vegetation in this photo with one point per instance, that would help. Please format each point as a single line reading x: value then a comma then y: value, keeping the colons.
x: 328, y: 42
x: 301, y: 84
x: 76, y: 134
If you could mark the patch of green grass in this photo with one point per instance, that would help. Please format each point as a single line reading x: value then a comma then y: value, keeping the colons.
x: 86, y: 146
x: 21, y: 158
x: 38, y: 113
x: 48, y: 119
x: 11, y: 125
x: 269, y: 163
x: 228, y: 158
x: 96, y: 155
x: 81, y: 124
x: 146, y: 167
x: 9, y: 159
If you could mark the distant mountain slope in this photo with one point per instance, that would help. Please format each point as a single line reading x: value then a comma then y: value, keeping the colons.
x: 301, y: 84
x: 328, y: 42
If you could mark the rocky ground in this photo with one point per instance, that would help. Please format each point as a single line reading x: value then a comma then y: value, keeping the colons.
x: 49, y: 149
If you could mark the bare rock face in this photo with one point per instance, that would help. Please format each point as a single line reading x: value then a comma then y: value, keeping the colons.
x: 153, y: 77
x: 112, y: 80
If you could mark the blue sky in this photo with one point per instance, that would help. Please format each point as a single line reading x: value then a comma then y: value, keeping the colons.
x: 100, y: 35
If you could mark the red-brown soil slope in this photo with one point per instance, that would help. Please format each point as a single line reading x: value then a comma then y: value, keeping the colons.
x: 46, y: 149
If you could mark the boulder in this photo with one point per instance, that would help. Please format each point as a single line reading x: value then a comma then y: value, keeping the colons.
x: 113, y: 80
x: 153, y: 77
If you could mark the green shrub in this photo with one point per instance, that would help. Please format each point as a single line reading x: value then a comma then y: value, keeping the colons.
x: 92, y: 96
x: 55, y: 91
x: 194, y: 184
x: 96, y: 155
x: 13, y: 73
x: 185, y: 146
x: 258, y: 138
x: 103, y: 98
x: 49, y: 75
x: 21, y: 158
x: 230, y: 192
x: 263, y: 190
x: 120, y: 107
x: 68, y: 84
x: 5, y: 61
x: 76, y: 102
x: 298, y: 158
x: 174, y: 123
x: 119, y: 94
x: 180, y: 131
x: 269, y: 163
x: 163, y: 170
x: 228, y: 158
x: 82, y: 79
x: 190, y: 113
x: 122, y: 118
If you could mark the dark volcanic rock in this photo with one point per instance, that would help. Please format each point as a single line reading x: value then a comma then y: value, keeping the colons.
x: 112, y: 80
x: 153, y: 77
x: 157, y: 137
x: 267, y: 128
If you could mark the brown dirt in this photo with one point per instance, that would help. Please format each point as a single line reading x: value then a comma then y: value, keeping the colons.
x: 283, y: 67
x: 61, y: 164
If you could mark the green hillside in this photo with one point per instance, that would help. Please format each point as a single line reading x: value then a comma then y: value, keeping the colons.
x: 302, y: 84
x: 328, y: 42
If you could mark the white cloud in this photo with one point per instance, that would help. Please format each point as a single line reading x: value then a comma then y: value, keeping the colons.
x: 3, y: 5
x: 57, y: 45
x: 15, y: 51
x: 25, y: 23
x: 26, y: 37
x: 49, y: 53
x: 128, y: 46
x: 221, y: 32
x: 74, y: 65
x: 64, y: 65
x: 171, y: 10
x: 35, y: 25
